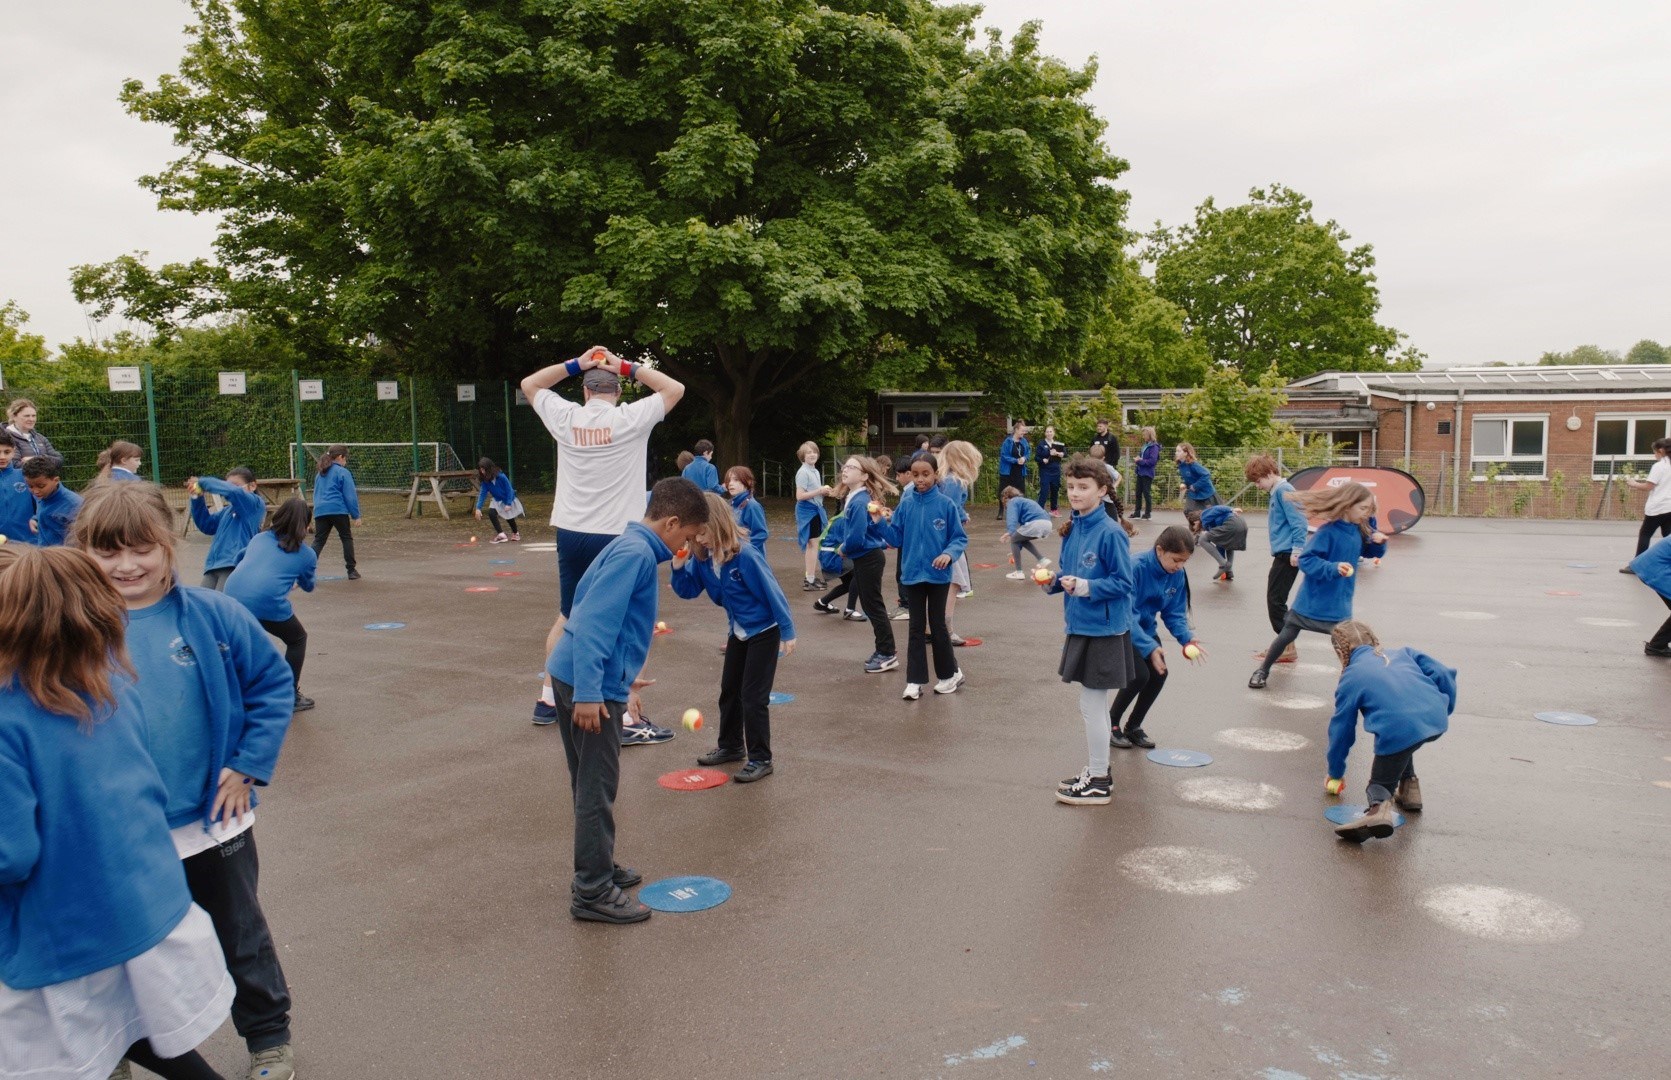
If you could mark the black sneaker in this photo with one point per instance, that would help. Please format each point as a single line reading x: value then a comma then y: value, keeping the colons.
x: 754, y: 770
x: 1139, y: 739
x: 1118, y: 740
x: 1087, y: 790
x: 824, y: 608
x: 614, y: 906
x: 719, y: 756
x: 809, y: 585
x: 353, y: 575
x: 1651, y: 649
x: 544, y: 714
x: 1256, y: 681
x: 879, y: 663
x: 303, y: 703
x: 820, y: 583
x: 625, y: 877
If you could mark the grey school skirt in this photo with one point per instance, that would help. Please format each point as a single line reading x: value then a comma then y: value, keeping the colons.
x: 1098, y: 663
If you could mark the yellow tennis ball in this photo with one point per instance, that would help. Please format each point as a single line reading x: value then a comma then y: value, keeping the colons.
x: 875, y: 508
x: 1348, y: 571
x: 692, y: 720
x: 1334, y: 785
x: 1192, y: 651
x: 661, y: 626
x: 1042, y: 575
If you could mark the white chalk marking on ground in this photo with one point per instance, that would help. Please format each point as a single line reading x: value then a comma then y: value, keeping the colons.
x: 1298, y: 701
x: 1498, y: 914
x: 989, y: 1053
x: 1331, y: 670
x: 1266, y: 740
x: 1228, y: 793
x: 539, y: 547
x: 1591, y: 620
x: 1663, y: 783
x: 1187, y: 871
x: 1468, y: 616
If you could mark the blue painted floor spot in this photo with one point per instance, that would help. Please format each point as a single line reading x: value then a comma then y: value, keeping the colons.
x: 989, y: 1053
x: 1565, y: 719
x: 1581, y: 565
x: 1180, y: 759
x: 780, y: 698
x: 335, y: 577
x: 685, y: 893
x: 1281, y: 1074
x: 500, y: 562
x: 384, y: 625
x: 1342, y: 813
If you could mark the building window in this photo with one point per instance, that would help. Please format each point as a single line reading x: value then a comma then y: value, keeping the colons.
x: 1511, y: 446
x: 1345, y: 447
x: 1623, y: 441
x: 913, y: 419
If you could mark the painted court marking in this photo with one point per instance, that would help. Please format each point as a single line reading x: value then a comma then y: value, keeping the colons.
x: 692, y: 779
x: 1468, y: 616
x: 1561, y: 592
x: 482, y: 588
x: 384, y: 625
x: 985, y: 565
x: 1298, y: 701
x: 539, y: 547
x: 1186, y: 871
x: 780, y: 698
x: 1565, y: 719
x: 507, y: 573
x: 1228, y: 793
x: 1581, y: 565
x: 1610, y: 624
x: 1265, y: 740
x: 335, y: 577
x: 685, y: 894
x: 1341, y: 813
x: 1498, y: 914
x: 1180, y: 759
x: 500, y: 562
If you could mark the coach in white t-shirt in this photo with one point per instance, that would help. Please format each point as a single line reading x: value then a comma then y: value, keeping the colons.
x: 1656, y: 513
x: 602, y: 463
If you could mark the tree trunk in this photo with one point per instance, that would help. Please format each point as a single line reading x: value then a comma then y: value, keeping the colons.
x: 731, y: 426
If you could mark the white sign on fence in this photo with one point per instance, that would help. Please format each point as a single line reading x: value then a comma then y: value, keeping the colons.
x: 232, y: 382
x: 521, y: 398
x: 311, y: 390
x: 123, y: 378
x: 2, y: 378
x: 388, y: 391
x: 466, y: 392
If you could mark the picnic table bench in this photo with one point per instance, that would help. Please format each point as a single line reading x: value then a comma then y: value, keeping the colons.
x: 278, y: 489
x: 435, y: 480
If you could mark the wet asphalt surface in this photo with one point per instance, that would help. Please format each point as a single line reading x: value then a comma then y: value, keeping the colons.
x: 909, y: 899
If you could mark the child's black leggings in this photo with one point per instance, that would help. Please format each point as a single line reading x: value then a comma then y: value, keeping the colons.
x: 295, y: 638
x: 498, y: 526
x: 1387, y: 770
x: 1144, y: 688
x: 927, y: 604
x: 867, y: 583
x: 1662, y: 638
x: 1291, y: 627
x: 840, y: 589
x: 188, y: 1066
x: 745, y: 694
x: 343, y: 524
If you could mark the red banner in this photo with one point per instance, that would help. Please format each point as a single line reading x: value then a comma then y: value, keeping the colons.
x: 1399, y: 499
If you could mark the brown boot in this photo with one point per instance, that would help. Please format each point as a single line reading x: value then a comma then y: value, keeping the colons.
x: 1377, y: 822
x: 1409, y: 795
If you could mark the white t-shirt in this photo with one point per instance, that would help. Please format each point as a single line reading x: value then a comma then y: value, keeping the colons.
x: 1659, y: 499
x: 602, y: 456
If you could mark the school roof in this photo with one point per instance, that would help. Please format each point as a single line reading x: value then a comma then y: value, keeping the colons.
x: 1574, y: 379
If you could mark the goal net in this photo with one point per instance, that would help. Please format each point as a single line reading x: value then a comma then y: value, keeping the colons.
x: 388, y: 466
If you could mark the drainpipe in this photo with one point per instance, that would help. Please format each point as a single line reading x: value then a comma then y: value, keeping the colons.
x: 1456, y: 456
x: 1408, y: 407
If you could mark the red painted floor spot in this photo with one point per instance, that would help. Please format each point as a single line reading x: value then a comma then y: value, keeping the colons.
x: 971, y: 641
x: 482, y: 588
x: 507, y: 573
x: 663, y: 632
x: 1562, y: 592
x: 692, y: 779
x: 986, y: 566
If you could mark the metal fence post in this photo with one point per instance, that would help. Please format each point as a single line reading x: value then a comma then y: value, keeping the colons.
x: 300, y: 464
x: 510, y: 452
x: 151, y: 425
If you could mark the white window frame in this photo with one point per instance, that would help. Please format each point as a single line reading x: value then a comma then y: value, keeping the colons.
x: 936, y: 414
x: 1508, y: 455
x: 1643, y: 462
x: 1356, y: 458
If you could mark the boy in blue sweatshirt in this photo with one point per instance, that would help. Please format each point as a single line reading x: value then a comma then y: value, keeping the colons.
x: 927, y: 528
x: 1653, y: 569
x: 1159, y: 591
x: 701, y: 471
x: 1288, y: 530
x: 592, y: 668
x: 1406, y: 698
x: 17, y: 504
x: 55, y: 505
x: 232, y: 526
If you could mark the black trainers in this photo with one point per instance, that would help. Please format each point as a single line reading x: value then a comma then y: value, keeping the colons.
x: 809, y: 585
x: 719, y: 756
x: 1087, y: 790
x: 1118, y: 740
x: 1650, y: 649
x: 1256, y: 681
x: 303, y: 703
x: 754, y: 770
x: 625, y: 877
x: 353, y: 575
x: 1139, y: 739
x: 614, y: 906
x: 823, y: 608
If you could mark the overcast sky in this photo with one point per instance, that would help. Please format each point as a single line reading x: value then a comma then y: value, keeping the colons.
x: 1509, y: 162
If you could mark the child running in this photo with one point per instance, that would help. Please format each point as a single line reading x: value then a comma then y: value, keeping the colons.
x: 598, y: 655
x: 336, y: 505
x: 928, y: 531
x: 276, y: 562
x: 499, y: 498
x: 17, y: 505
x: 56, y: 506
x: 867, y: 485
x: 119, y: 461
x: 1287, y: 528
x: 232, y: 526
x: 750, y: 515
x: 1225, y: 533
x: 960, y: 465
x: 1195, y: 483
x: 105, y: 955
x: 1406, y: 698
x: 1024, y: 522
x: 810, y: 516
x: 1159, y: 588
x: 735, y: 576
x: 1653, y: 569
x: 1095, y: 584
x: 1329, y: 563
x: 217, y: 699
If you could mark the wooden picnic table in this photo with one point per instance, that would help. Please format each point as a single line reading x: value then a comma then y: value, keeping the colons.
x: 278, y: 489
x: 436, y: 479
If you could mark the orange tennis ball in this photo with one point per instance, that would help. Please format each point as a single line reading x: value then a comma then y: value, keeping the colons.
x: 875, y: 508
x: 683, y: 553
x: 692, y: 720
x: 1333, y: 786
x: 1042, y: 575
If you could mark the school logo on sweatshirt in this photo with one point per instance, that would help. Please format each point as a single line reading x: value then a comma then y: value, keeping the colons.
x: 1088, y: 560
x: 736, y: 575
x: 180, y: 653
x: 939, y: 524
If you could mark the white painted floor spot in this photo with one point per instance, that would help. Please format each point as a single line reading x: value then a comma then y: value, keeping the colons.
x: 1228, y: 793
x: 1468, y: 616
x: 1187, y: 871
x: 1298, y: 701
x: 1591, y: 620
x: 1498, y: 914
x: 1331, y: 670
x: 1267, y: 740
x: 1663, y: 783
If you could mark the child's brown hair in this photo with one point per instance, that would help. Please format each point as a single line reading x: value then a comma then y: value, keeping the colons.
x: 62, y: 627
x: 724, y: 541
x: 742, y: 474
x: 1259, y: 466
x: 1347, y: 636
x: 1333, y: 503
x: 131, y: 515
x: 1176, y: 540
x: 1086, y: 467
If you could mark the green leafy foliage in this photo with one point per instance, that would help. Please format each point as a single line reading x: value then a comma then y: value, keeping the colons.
x: 1140, y: 340
x: 15, y: 342
x: 1225, y: 411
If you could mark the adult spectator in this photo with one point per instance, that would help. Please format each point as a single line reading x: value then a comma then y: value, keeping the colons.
x: 1109, y: 442
x: 602, y: 463
x: 1012, y: 459
x: 20, y: 428
x: 1656, y: 514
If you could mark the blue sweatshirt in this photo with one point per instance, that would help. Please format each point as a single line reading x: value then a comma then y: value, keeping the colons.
x: 88, y: 874
x: 1198, y: 483
x: 1214, y: 516
x: 1406, y: 699
x: 1287, y: 521
x: 857, y: 539
x: 925, y: 526
x: 607, y: 637
x: 1653, y: 567
x: 54, y: 515
x: 744, y: 587
x: 498, y: 489
x: 1012, y: 455
x: 1324, y: 594
x: 265, y: 575
x: 1148, y: 458
x: 702, y: 473
x: 1019, y: 511
x: 1156, y: 592
x: 17, y: 506
x: 334, y: 493
x: 118, y: 473
x: 751, y: 516
x: 232, y: 526
x: 1096, y: 549
x: 957, y: 493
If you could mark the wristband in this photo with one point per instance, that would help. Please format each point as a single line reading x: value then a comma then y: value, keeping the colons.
x: 627, y: 369
x: 572, y: 367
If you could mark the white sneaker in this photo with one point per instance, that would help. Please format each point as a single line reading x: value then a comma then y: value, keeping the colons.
x: 1041, y: 562
x: 500, y: 539
x: 949, y: 686
x: 913, y: 691
x: 1016, y: 575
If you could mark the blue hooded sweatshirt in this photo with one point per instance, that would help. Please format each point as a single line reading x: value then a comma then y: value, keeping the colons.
x: 857, y: 539
x: 265, y: 575
x: 608, y: 633
x: 744, y: 587
x: 232, y: 526
x: 751, y: 516
x: 1406, y: 698
x: 1324, y: 594
x: 1156, y: 592
x: 17, y: 506
x: 1096, y: 549
x: 702, y: 473
x: 54, y: 515
x: 88, y: 874
x: 1653, y: 567
x: 334, y: 493
x: 498, y: 489
x: 1019, y: 511
x: 1287, y: 521
x: 1197, y: 481
x: 925, y: 526
x: 957, y: 493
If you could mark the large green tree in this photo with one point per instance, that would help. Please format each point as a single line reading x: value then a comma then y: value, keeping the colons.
x: 758, y: 192
x: 1265, y: 287
x: 15, y: 342
x: 1140, y: 339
